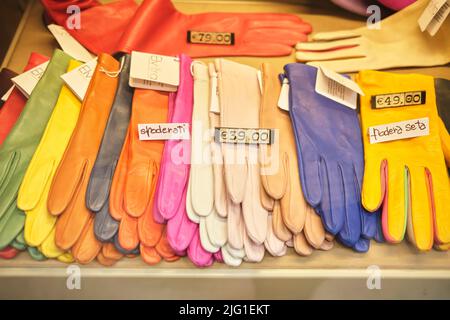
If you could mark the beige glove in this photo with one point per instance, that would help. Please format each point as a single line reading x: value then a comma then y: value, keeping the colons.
x: 399, y: 43
x: 292, y: 218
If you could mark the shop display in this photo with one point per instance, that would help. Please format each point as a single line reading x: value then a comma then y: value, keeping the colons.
x: 398, y: 42
x: 233, y: 162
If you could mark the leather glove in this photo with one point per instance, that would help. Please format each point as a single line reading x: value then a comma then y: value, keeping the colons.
x: 12, y: 108
x: 396, y: 4
x: 33, y: 192
x: 18, y: 148
x: 134, y: 181
x: 74, y: 228
x: 158, y: 27
x: 238, y: 86
x: 330, y: 170
x: 97, y: 195
x: 442, y: 87
x: 407, y: 177
x: 280, y: 177
x: 101, y: 26
x: 399, y: 43
x: 355, y: 6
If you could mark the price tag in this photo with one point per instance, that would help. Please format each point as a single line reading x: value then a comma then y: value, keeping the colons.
x: 69, y: 45
x: 283, y: 99
x: 244, y: 136
x: 8, y: 93
x: 79, y: 78
x: 164, y: 131
x: 217, y: 38
x: 401, y: 99
x: 399, y: 130
x: 152, y: 71
x: 337, y: 87
x: 434, y: 16
x: 26, y: 81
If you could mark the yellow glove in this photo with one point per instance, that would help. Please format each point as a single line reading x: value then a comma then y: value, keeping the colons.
x: 33, y: 193
x: 408, y: 177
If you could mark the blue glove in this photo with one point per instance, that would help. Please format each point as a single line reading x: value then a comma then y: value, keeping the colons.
x: 330, y: 156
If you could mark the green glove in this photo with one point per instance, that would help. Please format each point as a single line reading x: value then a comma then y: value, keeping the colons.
x: 21, y: 143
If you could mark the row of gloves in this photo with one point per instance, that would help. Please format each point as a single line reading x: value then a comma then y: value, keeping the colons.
x: 156, y: 26
x: 77, y: 183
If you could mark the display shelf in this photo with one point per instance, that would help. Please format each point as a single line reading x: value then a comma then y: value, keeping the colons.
x: 338, y: 273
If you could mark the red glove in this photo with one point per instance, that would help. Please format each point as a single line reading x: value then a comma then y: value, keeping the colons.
x: 101, y: 25
x: 12, y: 108
x: 158, y: 27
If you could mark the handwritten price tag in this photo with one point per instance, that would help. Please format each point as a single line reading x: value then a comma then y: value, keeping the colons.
x: 399, y: 130
x: 163, y: 131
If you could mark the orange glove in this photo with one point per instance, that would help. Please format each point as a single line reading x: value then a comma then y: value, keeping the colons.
x: 134, y: 182
x: 74, y: 228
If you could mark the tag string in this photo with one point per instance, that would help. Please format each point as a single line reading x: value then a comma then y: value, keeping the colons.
x: 113, y: 74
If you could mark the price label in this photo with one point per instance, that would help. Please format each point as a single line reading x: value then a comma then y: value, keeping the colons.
x: 221, y: 38
x: 401, y: 99
x: 244, y: 136
x: 399, y: 130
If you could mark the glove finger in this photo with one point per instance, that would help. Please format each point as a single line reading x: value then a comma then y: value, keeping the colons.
x: 197, y: 254
x: 255, y: 216
x: 150, y: 231
x: 394, y: 213
x: 235, y: 171
x: 266, y: 201
x: 8, y: 253
x: 11, y: 224
x: 362, y: 245
x: 317, y: 57
x: 35, y: 184
x: 335, y: 35
x: 204, y: 237
x: 445, y: 141
x: 216, y: 227
x: 373, y: 188
x: 229, y: 259
x: 105, y: 227
x: 253, y: 252
x: 105, y: 261
x: 301, y: 246
x: 133, y: 252
x: 328, y: 45
x: 164, y: 249
x: 128, y: 232
x: 193, y: 216
x: 109, y: 251
x: 273, y: 245
x: 279, y: 228
x: 138, y: 187
x: 35, y: 254
x: 314, y: 231
x: 49, y: 248
x: 346, y: 65
x: 332, y: 207
x: 118, y: 183
x: 87, y: 246
x: 327, y: 245
x: 351, y: 229
x: 235, y: 226
x: 180, y: 229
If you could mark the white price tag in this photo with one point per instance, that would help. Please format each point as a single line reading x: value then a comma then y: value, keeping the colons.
x: 164, y: 131
x: 283, y: 99
x: 337, y: 87
x: 399, y: 130
x: 434, y: 16
x: 8, y: 93
x: 79, y: 78
x: 26, y: 81
x: 69, y: 45
x: 152, y: 71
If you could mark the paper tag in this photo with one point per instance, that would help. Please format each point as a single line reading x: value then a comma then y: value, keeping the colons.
x: 259, y: 74
x: 152, y: 71
x: 399, y: 130
x: 400, y: 99
x: 26, y: 81
x: 69, y: 45
x: 214, y: 101
x: 244, y: 136
x: 337, y: 87
x: 79, y: 78
x: 434, y: 16
x: 283, y: 100
x: 164, y: 131
x: 8, y: 93
x: 216, y: 38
